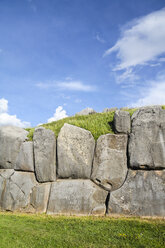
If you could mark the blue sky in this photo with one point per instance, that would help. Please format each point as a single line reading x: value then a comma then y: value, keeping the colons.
x: 58, y: 57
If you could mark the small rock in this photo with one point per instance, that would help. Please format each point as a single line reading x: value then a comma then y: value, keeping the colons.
x: 87, y: 111
x: 109, y: 110
x: 124, y: 108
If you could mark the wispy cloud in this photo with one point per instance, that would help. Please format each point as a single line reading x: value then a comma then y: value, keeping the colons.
x: 7, y: 119
x: 59, y: 114
x: 78, y: 100
x: 3, y: 105
x: 99, y: 38
x: 141, y: 42
x: 65, y: 85
x: 32, y: 5
x: 162, y: 59
x: 128, y: 74
x: 153, y: 94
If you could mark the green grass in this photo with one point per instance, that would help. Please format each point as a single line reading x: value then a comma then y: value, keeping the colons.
x: 37, y: 231
x: 98, y: 124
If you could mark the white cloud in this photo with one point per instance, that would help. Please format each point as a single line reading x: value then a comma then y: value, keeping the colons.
x: 155, y: 95
x: 60, y: 113
x: 127, y: 74
x: 65, y: 85
x: 68, y: 78
x: 143, y: 41
x: 3, y: 105
x: 78, y: 100
x: 98, y: 38
x: 162, y: 59
x: 12, y: 120
x: 75, y: 86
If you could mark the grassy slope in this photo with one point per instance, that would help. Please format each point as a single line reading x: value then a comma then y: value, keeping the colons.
x: 45, y: 231
x: 98, y: 124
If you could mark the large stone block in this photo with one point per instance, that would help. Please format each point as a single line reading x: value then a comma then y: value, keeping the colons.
x: 25, y: 158
x: 15, y: 190
x: 11, y: 139
x: 40, y: 196
x: 44, y: 154
x: 122, y: 121
x: 147, y: 140
x: 75, y: 148
x: 80, y: 197
x: 110, y: 161
x: 143, y: 194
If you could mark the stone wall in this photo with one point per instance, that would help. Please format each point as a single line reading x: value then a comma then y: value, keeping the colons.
x: 122, y: 173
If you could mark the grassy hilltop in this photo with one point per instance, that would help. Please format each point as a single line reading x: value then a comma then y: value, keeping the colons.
x: 98, y: 124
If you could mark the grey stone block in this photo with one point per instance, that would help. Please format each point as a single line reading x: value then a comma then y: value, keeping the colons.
x: 44, y: 154
x: 11, y: 139
x: 80, y: 197
x: 110, y: 161
x: 75, y: 148
x: 40, y: 197
x: 122, y: 121
x: 15, y: 190
x: 143, y: 194
x: 25, y: 158
x: 147, y: 140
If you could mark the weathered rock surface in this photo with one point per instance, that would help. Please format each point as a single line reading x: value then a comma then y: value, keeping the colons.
x: 109, y: 110
x: 124, y: 109
x: 44, y: 154
x: 110, y: 161
x: 15, y: 190
x: 147, y: 140
x: 76, y: 197
x: 75, y: 149
x: 40, y: 197
x: 122, y: 121
x: 142, y: 194
x: 11, y: 139
x: 25, y: 158
x: 86, y: 111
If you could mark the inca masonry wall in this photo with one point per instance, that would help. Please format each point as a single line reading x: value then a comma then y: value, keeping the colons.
x: 122, y: 173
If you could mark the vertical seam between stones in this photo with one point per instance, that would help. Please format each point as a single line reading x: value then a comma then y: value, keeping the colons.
x: 56, y: 160
x: 107, y: 203
x: 93, y: 159
x: 48, y: 198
